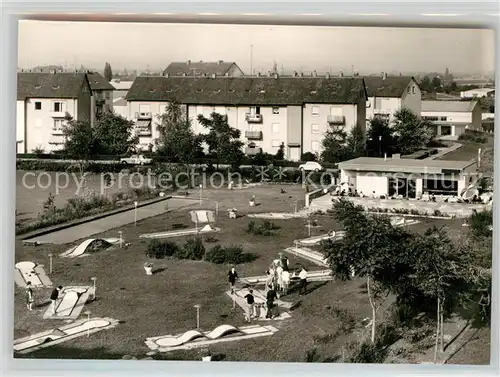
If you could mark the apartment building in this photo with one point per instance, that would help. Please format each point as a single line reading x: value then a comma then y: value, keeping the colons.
x: 201, y: 69
x: 452, y: 118
x: 269, y: 111
x: 43, y: 101
x: 388, y: 94
x: 102, y: 92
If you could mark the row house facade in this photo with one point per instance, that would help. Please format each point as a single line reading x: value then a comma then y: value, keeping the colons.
x: 268, y: 111
x: 102, y: 93
x: 388, y: 94
x: 43, y: 102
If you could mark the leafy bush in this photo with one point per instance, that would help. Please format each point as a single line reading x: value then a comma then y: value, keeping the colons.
x: 481, y: 223
x: 193, y: 249
x: 228, y: 255
x: 264, y: 228
x: 160, y: 249
x: 211, y: 239
x: 474, y: 136
x: 308, y: 156
x: 366, y: 352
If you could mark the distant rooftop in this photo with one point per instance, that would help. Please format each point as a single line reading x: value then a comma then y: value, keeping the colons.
x: 121, y: 85
x: 448, y: 106
x: 387, y: 86
x: 404, y: 165
x: 190, y: 68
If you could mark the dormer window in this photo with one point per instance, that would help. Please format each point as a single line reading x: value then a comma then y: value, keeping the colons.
x: 151, y: 90
x: 262, y: 91
x: 217, y: 91
x: 313, y: 91
x: 199, y: 90
x: 38, y: 86
x: 56, y: 87
x: 230, y: 90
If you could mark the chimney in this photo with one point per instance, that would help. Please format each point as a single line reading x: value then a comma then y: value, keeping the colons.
x: 341, y: 74
x: 258, y: 74
x: 214, y: 75
x: 328, y: 75
x: 184, y: 74
x: 275, y: 75
x: 166, y: 75
x: 189, y: 62
x: 220, y: 62
x: 295, y: 74
x: 315, y: 74
x: 384, y: 75
x: 301, y: 74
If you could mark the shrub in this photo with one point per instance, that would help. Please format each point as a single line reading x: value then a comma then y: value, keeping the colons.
x: 308, y: 156
x: 365, y: 352
x: 474, y: 136
x: 228, y: 255
x: 159, y: 249
x: 481, y: 223
x: 211, y: 239
x: 193, y: 249
x: 264, y: 228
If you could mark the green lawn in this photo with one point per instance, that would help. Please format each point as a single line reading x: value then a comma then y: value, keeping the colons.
x: 162, y: 304
x: 468, y: 150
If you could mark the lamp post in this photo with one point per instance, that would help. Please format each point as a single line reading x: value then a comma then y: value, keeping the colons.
x: 120, y: 235
x: 94, y: 280
x: 380, y: 145
x: 201, y: 193
x: 135, y: 212
x: 217, y: 209
x: 88, y: 313
x: 197, y: 306
x: 308, y: 228
x: 50, y: 263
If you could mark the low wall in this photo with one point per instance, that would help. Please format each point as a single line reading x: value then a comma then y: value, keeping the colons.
x: 460, y: 210
x: 318, y: 193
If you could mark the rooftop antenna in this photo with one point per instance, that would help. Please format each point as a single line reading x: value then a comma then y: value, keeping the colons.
x: 352, y: 67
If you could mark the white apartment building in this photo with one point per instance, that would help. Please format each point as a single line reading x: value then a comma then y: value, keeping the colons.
x: 388, y: 94
x: 452, y: 118
x: 269, y: 111
x: 478, y: 93
x: 43, y: 101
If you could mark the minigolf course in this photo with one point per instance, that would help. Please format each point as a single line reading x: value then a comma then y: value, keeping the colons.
x: 317, y: 239
x: 202, y: 216
x: 195, y: 338
x: 403, y: 221
x: 319, y: 275
x: 89, y: 246
x: 309, y: 254
x: 70, y: 304
x: 62, y: 334
x: 260, y: 310
x: 278, y: 215
x: 31, y: 272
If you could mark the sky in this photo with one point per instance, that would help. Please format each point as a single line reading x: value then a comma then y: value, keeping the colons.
x: 302, y: 48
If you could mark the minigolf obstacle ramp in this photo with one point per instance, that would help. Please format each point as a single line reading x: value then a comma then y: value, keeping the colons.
x: 88, y: 245
x: 195, y: 338
x: 26, y: 271
x: 70, y: 304
x: 202, y: 216
x: 62, y: 334
x: 180, y: 233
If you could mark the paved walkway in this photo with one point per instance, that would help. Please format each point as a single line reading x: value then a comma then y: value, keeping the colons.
x: 445, y: 151
x: 86, y: 230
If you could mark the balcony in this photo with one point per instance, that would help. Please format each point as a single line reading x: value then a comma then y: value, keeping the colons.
x: 143, y: 115
x: 253, y: 151
x: 335, y: 119
x: 253, y: 135
x: 57, y: 114
x: 56, y: 132
x: 383, y: 112
x: 143, y: 127
x: 253, y: 118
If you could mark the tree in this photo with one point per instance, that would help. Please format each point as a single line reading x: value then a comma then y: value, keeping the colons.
x: 426, y: 84
x: 108, y: 72
x: 79, y: 142
x: 177, y: 139
x: 334, y: 145
x: 280, y: 154
x: 356, y: 142
x: 114, y: 135
x: 412, y: 132
x: 436, y: 84
x: 379, y: 137
x: 222, y: 139
x: 370, y: 248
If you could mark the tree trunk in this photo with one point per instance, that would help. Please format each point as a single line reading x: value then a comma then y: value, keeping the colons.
x: 372, y: 304
x: 441, y: 338
x: 438, y: 316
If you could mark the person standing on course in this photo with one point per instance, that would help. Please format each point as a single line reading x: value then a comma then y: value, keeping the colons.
x: 29, y: 296
x: 270, y: 297
x: 250, y: 305
x: 53, y: 297
x: 285, y: 281
x: 303, y: 281
x: 232, y: 276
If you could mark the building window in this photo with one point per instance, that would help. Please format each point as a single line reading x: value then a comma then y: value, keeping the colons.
x: 58, y: 124
x: 58, y: 107
x: 443, y: 119
x: 38, y: 105
x: 409, y: 88
x: 315, y: 110
x: 276, y: 143
x: 431, y: 118
x: 315, y: 146
x: 276, y: 127
x: 144, y: 110
x: 107, y: 95
x: 276, y: 110
x: 315, y: 128
x: 413, y: 90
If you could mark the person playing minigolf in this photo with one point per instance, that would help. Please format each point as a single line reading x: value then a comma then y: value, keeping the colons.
x: 30, y: 298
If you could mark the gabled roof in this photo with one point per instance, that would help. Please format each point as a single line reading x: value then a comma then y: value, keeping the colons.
x: 189, y: 68
x: 98, y: 82
x: 49, y: 85
x: 390, y: 86
x: 448, y: 106
x: 121, y: 85
x: 248, y: 90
